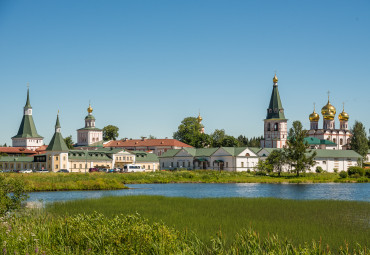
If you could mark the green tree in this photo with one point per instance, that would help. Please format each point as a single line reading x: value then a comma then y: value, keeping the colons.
x: 189, y: 131
x: 296, y: 151
x: 243, y: 141
x: 277, y: 159
x: 69, y: 142
x: 152, y: 137
x: 110, y: 132
x: 217, y: 138
x: 12, y: 194
x: 359, y: 141
x: 230, y: 141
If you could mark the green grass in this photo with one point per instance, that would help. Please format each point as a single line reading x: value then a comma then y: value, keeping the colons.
x: 332, y: 222
x: 96, y: 181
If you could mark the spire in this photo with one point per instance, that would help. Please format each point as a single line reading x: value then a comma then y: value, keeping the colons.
x: 57, y: 143
x: 28, y: 104
x: 275, y: 110
x: 57, y: 123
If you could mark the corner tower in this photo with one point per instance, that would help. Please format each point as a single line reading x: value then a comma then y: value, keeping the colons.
x: 89, y: 135
x: 57, y: 151
x: 275, y: 124
x: 27, y: 135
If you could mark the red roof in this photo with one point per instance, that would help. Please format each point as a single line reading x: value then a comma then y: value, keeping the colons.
x: 41, y: 149
x: 16, y: 150
x: 146, y: 143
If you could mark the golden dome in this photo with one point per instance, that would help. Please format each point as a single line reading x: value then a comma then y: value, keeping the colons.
x: 314, y: 116
x: 275, y: 79
x: 343, y: 116
x: 199, y: 118
x: 90, y: 109
x: 328, y: 111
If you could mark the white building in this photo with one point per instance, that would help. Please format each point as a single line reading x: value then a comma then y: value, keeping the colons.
x: 89, y: 135
x: 223, y: 158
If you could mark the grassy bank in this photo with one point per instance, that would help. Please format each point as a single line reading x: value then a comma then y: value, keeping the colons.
x: 131, y: 234
x: 332, y: 222
x: 96, y: 181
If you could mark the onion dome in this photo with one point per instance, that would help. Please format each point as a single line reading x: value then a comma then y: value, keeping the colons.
x: 314, y: 116
x: 343, y: 116
x: 199, y: 118
x: 328, y: 111
x: 90, y: 109
x: 275, y: 79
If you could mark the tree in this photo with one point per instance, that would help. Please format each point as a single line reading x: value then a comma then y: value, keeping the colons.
x: 217, y: 138
x: 296, y: 151
x: 189, y: 131
x: 110, y: 132
x: 152, y: 137
x: 359, y: 141
x: 230, y: 141
x: 243, y: 141
x: 69, y: 142
x: 277, y: 159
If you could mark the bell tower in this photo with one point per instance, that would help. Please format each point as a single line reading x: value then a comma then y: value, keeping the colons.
x: 275, y: 124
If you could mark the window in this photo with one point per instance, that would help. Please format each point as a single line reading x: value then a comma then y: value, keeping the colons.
x: 80, y: 165
x: 189, y: 164
x: 149, y: 167
x: 247, y: 155
x: 276, y: 127
x: 56, y: 166
x: 268, y: 127
x: 56, y: 158
x: 341, y: 141
x: 334, y: 140
x: 227, y: 164
x: 74, y: 165
x: 242, y: 164
x: 162, y: 164
x: 177, y: 164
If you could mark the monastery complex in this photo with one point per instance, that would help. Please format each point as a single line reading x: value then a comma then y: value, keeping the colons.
x: 29, y: 151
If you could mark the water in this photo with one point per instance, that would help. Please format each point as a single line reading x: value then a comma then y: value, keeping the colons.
x: 331, y: 191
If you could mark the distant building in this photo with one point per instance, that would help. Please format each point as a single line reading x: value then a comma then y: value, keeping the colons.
x: 341, y: 136
x: 275, y: 124
x: 27, y: 136
x: 89, y: 135
x: 156, y: 146
x: 16, y: 151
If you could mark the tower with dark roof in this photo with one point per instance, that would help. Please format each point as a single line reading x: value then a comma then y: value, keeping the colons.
x: 27, y: 135
x: 57, y: 151
x: 275, y: 124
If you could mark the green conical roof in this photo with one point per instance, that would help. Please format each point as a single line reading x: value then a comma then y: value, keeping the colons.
x: 275, y: 110
x: 57, y: 143
x: 28, y: 104
x: 27, y: 129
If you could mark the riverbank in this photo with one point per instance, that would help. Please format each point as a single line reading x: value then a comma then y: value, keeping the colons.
x: 103, y: 181
x: 325, y: 222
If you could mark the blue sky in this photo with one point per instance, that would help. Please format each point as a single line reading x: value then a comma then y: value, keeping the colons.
x: 145, y: 65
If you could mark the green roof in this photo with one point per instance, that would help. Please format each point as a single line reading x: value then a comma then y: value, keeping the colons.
x: 255, y: 149
x: 28, y: 104
x: 16, y: 159
x: 27, y: 129
x: 234, y: 151
x: 205, y: 152
x: 337, y: 154
x: 317, y: 141
x: 90, y: 117
x: 170, y: 153
x: 141, y: 156
x: 275, y: 104
x: 57, y: 142
x: 91, y: 128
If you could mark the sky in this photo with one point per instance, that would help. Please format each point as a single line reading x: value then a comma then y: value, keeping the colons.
x: 146, y: 65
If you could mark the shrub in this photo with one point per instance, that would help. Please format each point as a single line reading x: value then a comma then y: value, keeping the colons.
x: 335, y: 170
x: 343, y: 174
x: 261, y: 173
x: 12, y: 194
x: 367, y: 173
x: 356, y: 171
x: 319, y: 169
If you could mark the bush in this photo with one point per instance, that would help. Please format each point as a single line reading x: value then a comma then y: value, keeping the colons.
x: 367, y: 173
x: 335, y: 170
x: 319, y: 169
x: 356, y: 171
x: 261, y: 173
x: 343, y: 174
x: 12, y: 194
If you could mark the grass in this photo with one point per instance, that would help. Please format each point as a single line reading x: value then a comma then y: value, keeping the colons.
x: 97, y: 181
x: 333, y: 222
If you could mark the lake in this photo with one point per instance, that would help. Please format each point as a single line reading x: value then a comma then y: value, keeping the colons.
x: 331, y: 191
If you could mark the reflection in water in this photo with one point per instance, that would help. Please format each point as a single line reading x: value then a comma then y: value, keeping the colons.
x: 331, y: 191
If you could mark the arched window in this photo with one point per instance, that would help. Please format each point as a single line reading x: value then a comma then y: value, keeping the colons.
x: 276, y: 127
x: 334, y: 140
x: 268, y: 127
x: 247, y: 155
x: 341, y: 141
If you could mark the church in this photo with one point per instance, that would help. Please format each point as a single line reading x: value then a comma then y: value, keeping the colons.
x: 328, y: 137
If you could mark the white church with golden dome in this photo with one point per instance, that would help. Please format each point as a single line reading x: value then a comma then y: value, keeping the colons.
x: 340, y: 137
x: 89, y: 135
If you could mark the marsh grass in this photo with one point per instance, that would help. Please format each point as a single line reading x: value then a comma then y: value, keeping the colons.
x: 103, y: 181
x: 335, y: 223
